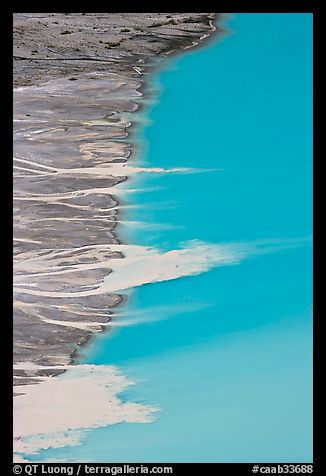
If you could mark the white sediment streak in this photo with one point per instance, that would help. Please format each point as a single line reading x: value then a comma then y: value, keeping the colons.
x: 110, y: 170
x: 143, y: 265
x: 84, y: 397
x: 139, y: 265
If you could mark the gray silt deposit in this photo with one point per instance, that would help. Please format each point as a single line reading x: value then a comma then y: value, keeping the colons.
x: 77, y: 82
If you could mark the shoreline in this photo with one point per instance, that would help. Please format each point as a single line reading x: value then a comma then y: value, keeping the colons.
x: 141, y: 88
x: 202, y: 43
x: 71, y: 335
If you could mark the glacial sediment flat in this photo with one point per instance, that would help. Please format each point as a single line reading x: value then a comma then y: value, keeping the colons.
x: 78, y: 81
x: 79, y: 78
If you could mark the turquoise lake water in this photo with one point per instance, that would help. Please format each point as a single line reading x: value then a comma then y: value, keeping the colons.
x: 228, y: 359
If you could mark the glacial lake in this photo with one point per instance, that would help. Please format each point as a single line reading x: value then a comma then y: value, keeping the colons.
x: 225, y: 355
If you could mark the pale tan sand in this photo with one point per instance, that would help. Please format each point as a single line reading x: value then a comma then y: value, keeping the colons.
x: 51, y: 413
